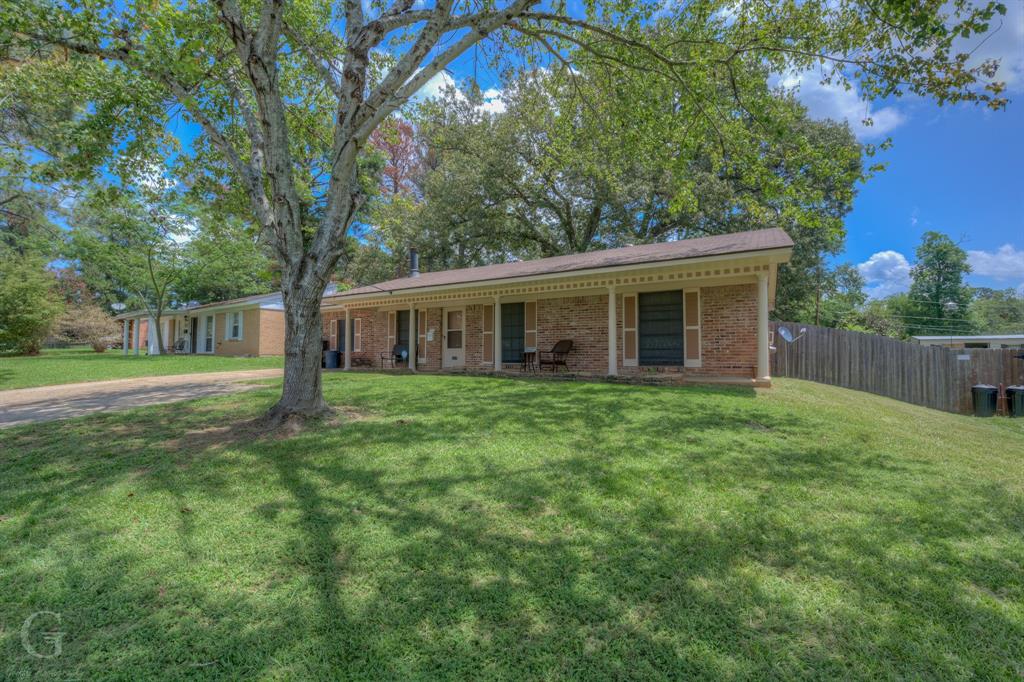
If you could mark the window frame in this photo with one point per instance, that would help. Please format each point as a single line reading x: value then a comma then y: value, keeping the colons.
x: 229, y: 331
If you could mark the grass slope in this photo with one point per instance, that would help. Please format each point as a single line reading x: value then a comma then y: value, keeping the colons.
x: 73, y: 365
x: 465, y: 527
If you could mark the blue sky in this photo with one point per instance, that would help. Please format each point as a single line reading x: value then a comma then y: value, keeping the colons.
x: 956, y: 169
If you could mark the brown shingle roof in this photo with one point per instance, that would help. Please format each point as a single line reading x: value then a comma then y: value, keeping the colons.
x: 726, y: 244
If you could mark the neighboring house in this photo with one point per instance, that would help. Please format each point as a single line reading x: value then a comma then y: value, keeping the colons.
x: 991, y: 341
x: 691, y: 308
x: 250, y: 326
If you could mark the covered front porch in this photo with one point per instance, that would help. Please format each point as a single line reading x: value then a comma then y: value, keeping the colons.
x: 180, y: 332
x: 686, y: 322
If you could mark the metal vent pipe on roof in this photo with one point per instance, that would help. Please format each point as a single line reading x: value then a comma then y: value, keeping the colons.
x: 414, y: 263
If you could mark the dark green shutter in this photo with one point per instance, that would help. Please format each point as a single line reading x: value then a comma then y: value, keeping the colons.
x: 661, y: 328
x: 402, y: 333
x: 513, y: 331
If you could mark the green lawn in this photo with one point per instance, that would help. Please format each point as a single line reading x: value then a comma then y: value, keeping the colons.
x: 74, y: 365
x: 470, y: 527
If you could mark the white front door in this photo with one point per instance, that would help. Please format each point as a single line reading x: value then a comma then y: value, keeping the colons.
x: 453, y: 340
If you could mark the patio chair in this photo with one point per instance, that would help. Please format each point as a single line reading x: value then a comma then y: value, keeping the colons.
x: 394, y: 357
x: 180, y: 345
x: 556, y: 357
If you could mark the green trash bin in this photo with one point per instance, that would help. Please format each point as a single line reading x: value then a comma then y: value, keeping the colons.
x: 1015, y: 400
x: 985, y: 397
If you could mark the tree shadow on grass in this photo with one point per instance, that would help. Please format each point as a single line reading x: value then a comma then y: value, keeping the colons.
x: 501, y: 529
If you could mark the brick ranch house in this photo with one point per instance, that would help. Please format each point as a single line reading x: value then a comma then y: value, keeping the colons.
x: 251, y: 326
x: 691, y: 309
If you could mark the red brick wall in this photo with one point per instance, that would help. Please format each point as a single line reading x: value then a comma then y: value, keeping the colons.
x: 433, y: 348
x: 584, y: 320
x: 729, y: 330
x: 475, y: 336
x: 728, y: 333
x: 375, y: 335
x: 374, y: 332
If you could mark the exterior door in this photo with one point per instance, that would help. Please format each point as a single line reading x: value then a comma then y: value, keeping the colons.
x: 454, y: 338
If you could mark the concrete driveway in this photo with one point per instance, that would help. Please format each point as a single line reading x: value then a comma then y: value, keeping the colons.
x: 45, y: 403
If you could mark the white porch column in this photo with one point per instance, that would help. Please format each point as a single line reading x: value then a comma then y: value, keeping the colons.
x: 124, y: 337
x: 497, y: 334
x: 347, y: 341
x: 137, y: 328
x: 412, y: 337
x: 762, y: 327
x: 613, y: 364
x: 152, y: 340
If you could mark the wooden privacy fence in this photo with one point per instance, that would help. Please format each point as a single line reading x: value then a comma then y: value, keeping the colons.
x: 932, y: 376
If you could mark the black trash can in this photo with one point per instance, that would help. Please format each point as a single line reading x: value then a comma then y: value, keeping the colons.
x: 331, y: 359
x: 985, y: 397
x: 1015, y: 400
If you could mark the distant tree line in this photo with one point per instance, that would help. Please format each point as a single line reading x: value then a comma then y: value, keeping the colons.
x: 938, y: 302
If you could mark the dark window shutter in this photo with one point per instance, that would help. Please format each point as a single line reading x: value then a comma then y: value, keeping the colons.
x: 661, y: 328
x: 513, y: 331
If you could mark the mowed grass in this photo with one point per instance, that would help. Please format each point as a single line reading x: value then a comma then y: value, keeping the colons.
x: 478, y: 528
x: 74, y: 365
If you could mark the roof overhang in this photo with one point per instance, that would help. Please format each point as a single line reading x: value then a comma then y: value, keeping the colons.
x: 715, y: 270
x: 774, y: 257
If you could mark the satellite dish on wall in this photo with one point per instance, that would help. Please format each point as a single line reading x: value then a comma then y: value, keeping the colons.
x: 787, y: 335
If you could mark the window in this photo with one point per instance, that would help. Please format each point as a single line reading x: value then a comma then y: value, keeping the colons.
x: 454, y: 330
x: 234, y: 331
x: 513, y: 331
x: 661, y: 328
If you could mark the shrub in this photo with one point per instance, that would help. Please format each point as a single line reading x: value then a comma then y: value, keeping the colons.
x: 29, y: 305
x: 88, y: 323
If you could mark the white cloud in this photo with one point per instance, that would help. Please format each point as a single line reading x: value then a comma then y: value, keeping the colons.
x: 838, y: 103
x: 436, y: 86
x: 886, y: 272
x: 1006, y: 263
x: 1004, y: 42
x: 493, y: 103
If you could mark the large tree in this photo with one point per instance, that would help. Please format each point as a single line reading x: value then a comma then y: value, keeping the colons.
x: 939, y: 298
x: 287, y: 93
x: 230, y: 261
x: 29, y: 303
x: 135, y: 248
x: 567, y: 168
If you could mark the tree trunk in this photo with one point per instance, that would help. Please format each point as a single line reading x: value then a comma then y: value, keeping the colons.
x: 302, y: 394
